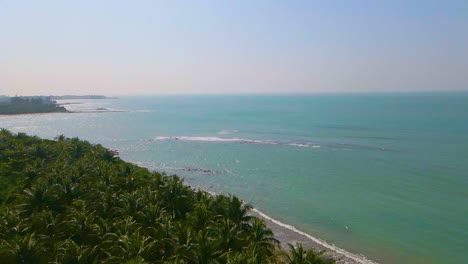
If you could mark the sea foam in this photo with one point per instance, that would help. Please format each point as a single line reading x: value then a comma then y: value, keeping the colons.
x: 303, y: 145
x: 235, y: 140
x: 216, y: 139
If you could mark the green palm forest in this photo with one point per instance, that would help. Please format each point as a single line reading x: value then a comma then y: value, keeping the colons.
x: 68, y: 201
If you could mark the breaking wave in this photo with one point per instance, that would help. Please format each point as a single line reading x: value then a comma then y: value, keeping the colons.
x: 237, y: 140
x: 217, y: 139
x: 307, y: 145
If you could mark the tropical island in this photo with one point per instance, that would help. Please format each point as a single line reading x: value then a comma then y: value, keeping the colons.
x: 29, y: 104
x: 68, y: 201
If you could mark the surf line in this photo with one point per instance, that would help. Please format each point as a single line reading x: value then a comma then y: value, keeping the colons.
x: 234, y: 140
x: 355, y: 257
x: 358, y: 258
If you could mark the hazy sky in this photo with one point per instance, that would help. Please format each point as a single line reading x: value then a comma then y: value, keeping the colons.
x: 151, y: 47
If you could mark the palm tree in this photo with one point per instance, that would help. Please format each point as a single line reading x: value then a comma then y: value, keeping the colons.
x: 82, y: 227
x: 60, y: 138
x: 150, y: 214
x: 11, y: 224
x: 27, y: 249
x: 262, y: 236
x: 71, y: 252
x: 184, y: 244
x: 175, y: 193
x: 227, y: 234
x: 37, y: 198
x: 162, y: 231
x: 237, y: 211
x: 298, y: 255
x: 129, y: 204
x: 254, y: 254
x: 199, y: 218
x: 135, y: 246
x: 5, y: 133
x: 204, y: 248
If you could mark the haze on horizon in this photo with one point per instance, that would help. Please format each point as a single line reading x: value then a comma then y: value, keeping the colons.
x: 154, y: 47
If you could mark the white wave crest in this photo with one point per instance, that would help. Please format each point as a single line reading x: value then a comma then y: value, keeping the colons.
x: 216, y: 139
x: 235, y: 140
x: 303, y: 145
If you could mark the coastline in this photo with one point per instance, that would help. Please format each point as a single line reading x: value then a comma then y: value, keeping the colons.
x: 289, y: 234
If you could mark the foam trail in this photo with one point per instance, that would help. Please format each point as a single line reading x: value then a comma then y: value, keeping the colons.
x: 266, y: 142
x: 300, y: 144
x: 217, y: 139
x: 234, y: 140
x: 303, y: 145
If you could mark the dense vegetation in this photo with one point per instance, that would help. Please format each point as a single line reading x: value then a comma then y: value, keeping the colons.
x: 25, y: 105
x: 67, y: 201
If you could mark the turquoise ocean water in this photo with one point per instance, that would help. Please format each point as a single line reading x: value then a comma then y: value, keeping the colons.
x: 393, y: 168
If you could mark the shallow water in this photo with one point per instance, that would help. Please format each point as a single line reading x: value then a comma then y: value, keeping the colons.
x: 381, y: 175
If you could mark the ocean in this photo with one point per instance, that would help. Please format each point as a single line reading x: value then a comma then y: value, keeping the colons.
x: 383, y: 175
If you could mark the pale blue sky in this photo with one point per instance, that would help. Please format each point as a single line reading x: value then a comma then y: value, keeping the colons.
x: 151, y: 47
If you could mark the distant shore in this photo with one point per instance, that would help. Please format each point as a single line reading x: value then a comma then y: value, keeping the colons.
x: 67, y: 112
x: 19, y: 105
x: 28, y: 104
x: 73, y: 97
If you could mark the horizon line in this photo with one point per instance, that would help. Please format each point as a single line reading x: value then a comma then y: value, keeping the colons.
x: 253, y: 93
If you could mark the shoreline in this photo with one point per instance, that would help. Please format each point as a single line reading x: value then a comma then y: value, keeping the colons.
x: 286, y: 233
